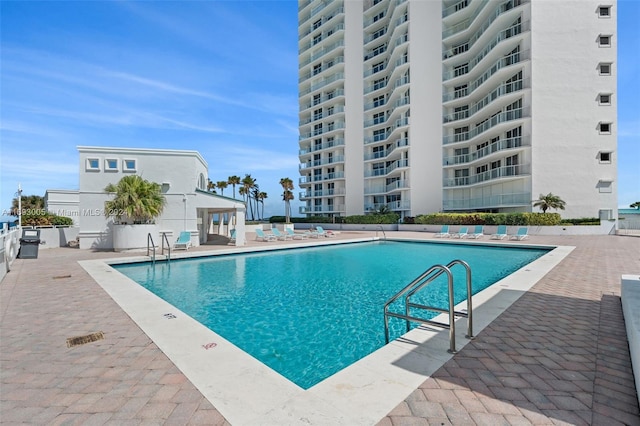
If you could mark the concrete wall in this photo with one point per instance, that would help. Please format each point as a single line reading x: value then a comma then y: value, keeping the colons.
x: 630, y: 295
x: 179, y: 173
x: 57, y: 237
x: 565, y: 109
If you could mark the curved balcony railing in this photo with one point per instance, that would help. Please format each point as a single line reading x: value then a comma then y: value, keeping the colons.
x: 337, y: 109
x: 500, y: 145
x: 325, y: 129
x: 455, y: 8
x: 323, y: 193
x: 326, y: 145
x: 493, y: 174
x: 466, y: 23
x: 505, y: 34
x: 313, y: 12
x: 317, y: 178
x: 494, y: 201
x: 385, y: 171
x: 502, y: 90
x: 321, y: 53
x: 322, y: 83
x: 512, y: 59
x: 334, y: 61
x: 314, y: 103
x: 383, y: 189
x: 502, y: 117
x: 325, y: 19
x: 393, y: 205
x: 335, y: 159
x: 325, y: 34
x: 383, y: 154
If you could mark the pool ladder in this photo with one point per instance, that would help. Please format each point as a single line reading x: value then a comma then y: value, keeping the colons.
x: 419, y: 283
x: 384, y: 236
x: 151, y: 247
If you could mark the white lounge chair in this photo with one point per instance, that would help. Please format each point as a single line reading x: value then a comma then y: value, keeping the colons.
x: 261, y: 236
x: 295, y: 236
x: 183, y: 242
x: 279, y: 235
x: 462, y: 232
x: 520, y: 235
x: 444, y: 232
x: 321, y: 232
x: 501, y: 233
x: 478, y: 232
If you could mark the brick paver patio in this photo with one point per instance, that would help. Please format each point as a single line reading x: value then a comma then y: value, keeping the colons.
x: 558, y: 355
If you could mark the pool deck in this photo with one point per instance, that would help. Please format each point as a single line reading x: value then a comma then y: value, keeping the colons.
x: 557, y: 355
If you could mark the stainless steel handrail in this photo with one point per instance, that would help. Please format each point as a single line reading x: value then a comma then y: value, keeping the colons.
x: 417, y: 284
x: 150, y: 240
x: 163, y: 239
x: 383, y: 233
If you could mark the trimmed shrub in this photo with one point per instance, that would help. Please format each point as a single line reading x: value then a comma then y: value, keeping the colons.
x: 376, y: 219
x: 581, y: 221
x: 513, y: 219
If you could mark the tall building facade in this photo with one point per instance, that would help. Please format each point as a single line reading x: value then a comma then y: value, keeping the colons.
x: 472, y: 105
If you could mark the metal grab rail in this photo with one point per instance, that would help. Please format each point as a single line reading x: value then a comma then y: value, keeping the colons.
x: 383, y: 234
x: 424, y: 279
x: 163, y: 239
x: 150, y: 240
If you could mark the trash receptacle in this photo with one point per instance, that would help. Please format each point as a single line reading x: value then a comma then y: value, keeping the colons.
x: 29, y: 244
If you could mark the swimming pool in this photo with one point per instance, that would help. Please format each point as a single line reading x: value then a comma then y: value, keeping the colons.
x: 307, y: 313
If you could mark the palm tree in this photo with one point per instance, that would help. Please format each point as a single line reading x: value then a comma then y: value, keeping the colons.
x: 221, y: 184
x: 287, y: 196
x: 211, y: 187
x: 635, y: 205
x: 255, y: 194
x: 233, y: 181
x: 29, y: 203
x: 261, y: 197
x: 549, y: 201
x: 136, y: 198
x: 248, y: 183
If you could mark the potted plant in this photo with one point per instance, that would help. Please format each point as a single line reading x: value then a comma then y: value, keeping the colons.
x: 135, y: 206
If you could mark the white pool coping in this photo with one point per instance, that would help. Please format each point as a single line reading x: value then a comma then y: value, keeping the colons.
x: 247, y: 392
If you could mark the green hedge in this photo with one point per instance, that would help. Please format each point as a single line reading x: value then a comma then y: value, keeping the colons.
x: 312, y: 219
x: 522, y: 219
x: 377, y: 219
x: 594, y: 221
x: 45, y: 218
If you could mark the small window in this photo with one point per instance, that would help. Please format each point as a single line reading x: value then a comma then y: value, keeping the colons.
x: 604, y: 99
x: 605, y: 68
x: 605, y: 186
x: 604, y: 40
x: 604, y: 128
x: 93, y: 164
x: 110, y: 165
x: 604, y: 11
x: 129, y: 165
x: 604, y: 157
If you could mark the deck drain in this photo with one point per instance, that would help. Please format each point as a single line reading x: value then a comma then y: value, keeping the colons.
x: 81, y: 340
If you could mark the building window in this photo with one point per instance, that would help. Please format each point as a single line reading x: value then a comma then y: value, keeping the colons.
x: 110, y: 165
x: 129, y: 165
x: 604, y: 99
x: 317, y: 24
x: 317, y: 69
x: 605, y: 186
x: 93, y: 164
x: 604, y: 11
x: 604, y: 157
x: 604, y: 40
x: 604, y: 128
x: 604, y: 68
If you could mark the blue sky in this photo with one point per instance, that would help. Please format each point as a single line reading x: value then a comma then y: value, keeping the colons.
x: 219, y: 77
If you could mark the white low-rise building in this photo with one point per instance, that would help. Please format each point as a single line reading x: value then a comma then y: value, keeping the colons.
x: 183, y: 176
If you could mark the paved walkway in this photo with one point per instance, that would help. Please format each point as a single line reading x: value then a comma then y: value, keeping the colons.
x: 557, y: 356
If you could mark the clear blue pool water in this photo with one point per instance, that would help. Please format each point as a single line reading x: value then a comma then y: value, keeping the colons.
x: 308, y: 313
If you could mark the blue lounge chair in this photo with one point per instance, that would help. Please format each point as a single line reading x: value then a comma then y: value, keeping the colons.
x: 478, y: 232
x: 501, y: 233
x: 321, y: 232
x: 520, y: 235
x: 295, y: 236
x: 183, y: 242
x: 232, y: 238
x: 462, y: 232
x: 261, y: 236
x: 280, y: 236
x: 444, y: 232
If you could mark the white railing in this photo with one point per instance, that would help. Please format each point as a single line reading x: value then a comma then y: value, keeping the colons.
x: 500, y: 145
x: 497, y: 173
x: 494, y: 201
x: 502, y: 117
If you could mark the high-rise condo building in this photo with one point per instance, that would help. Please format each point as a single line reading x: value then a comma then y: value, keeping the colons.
x: 473, y: 105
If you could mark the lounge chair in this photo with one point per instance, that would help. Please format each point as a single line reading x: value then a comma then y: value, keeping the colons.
x: 295, y: 236
x: 500, y: 233
x: 444, y: 232
x: 183, y: 242
x: 280, y: 236
x: 232, y: 238
x: 261, y: 236
x: 478, y: 232
x: 462, y: 232
x: 520, y: 235
x: 323, y: 233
